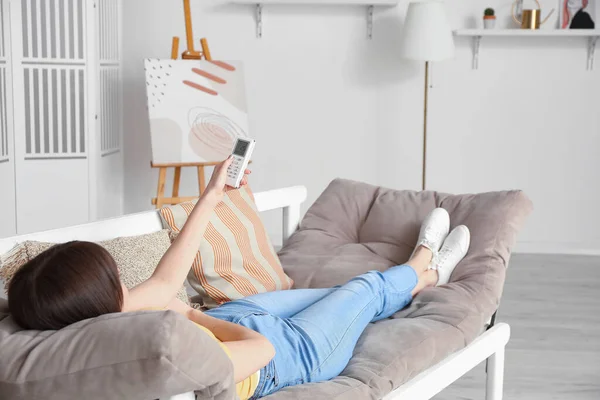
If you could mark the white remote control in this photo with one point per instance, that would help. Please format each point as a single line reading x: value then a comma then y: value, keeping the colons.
x: 242, y: 151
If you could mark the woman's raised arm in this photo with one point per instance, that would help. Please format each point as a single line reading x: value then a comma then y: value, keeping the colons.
x: 174, y: 266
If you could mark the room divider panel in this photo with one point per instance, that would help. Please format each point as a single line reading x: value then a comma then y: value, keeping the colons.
x: 66, y: 97
x: 7, y: 163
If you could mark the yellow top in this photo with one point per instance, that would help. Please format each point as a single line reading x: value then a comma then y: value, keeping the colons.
x: 246, y: 388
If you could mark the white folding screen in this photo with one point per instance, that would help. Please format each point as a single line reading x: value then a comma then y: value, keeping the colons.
x: 110, y: 75
x: 7, y: 172
x: 4, y: 82
x: 63, y: 110
x: 53, y: 42
x: 110, y: 163
x: 4, y: 153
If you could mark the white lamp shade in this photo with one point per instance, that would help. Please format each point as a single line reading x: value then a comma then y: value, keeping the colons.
x: 427, y: 34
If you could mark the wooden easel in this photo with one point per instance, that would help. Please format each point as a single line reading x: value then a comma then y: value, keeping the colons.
x: 160, y: 199
x: 189, y: 54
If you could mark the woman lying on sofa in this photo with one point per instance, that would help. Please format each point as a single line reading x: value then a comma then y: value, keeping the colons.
x: 274, y: 339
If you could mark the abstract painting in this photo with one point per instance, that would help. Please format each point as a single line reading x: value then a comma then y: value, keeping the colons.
x: 197, y: 109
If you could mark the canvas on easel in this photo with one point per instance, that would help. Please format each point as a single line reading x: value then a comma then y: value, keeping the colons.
x: 197, y: 109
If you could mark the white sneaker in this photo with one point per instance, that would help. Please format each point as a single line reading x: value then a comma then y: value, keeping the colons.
x: 434, y: 230
x: 454, y: 249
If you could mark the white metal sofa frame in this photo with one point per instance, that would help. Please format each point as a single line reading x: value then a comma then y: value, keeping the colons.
x: 489, y: 346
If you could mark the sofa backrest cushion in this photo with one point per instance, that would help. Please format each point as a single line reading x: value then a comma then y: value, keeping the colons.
x: 354, y: 227
x: 136, y: 257
x: 235, y: 258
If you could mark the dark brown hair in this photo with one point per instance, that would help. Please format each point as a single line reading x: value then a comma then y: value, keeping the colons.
x: 65, y: 284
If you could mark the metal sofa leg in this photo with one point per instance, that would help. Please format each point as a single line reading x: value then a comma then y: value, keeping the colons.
x: 495, y: 376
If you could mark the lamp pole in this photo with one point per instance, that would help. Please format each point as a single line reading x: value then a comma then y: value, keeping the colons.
x: 426, y: 37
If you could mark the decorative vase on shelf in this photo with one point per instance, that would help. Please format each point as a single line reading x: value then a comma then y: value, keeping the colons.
x: 530, y: 19
x: 489, y: 18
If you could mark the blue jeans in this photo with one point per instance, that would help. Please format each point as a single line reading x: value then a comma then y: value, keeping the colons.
x: 314, y: 331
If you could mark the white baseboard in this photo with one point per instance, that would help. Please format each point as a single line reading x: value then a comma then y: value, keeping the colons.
x: 556, y: 248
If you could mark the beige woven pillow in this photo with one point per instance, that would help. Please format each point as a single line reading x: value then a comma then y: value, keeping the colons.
x: 236, y: 258
x: 136, y: 257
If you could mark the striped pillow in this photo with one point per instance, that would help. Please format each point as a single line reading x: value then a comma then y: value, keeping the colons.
x: 236, y: 258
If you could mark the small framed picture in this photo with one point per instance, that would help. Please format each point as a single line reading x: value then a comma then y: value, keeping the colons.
x: 578, y: 14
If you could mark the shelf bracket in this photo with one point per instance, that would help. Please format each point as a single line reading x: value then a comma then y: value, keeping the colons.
x: 476, y: 46
x: 591, y: 52
x: 370, y: 22
x: 259, y: 22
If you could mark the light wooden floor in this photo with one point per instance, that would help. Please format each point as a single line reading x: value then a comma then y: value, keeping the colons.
x: 552, y: 304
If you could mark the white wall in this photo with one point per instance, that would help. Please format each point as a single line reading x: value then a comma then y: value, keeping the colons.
x: 326, y: 102
x: 528, y: 118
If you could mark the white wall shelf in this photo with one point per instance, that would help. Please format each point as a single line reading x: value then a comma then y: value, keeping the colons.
x: 369, y: 4
x: 477, y: 34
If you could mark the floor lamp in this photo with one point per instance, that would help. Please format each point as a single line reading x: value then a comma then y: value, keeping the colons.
x: 426, y: 37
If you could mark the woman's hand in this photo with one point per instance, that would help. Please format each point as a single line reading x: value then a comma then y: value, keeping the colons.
x: 216, y: 186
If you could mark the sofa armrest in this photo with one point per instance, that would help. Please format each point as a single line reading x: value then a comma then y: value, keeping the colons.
x: 434, y: 379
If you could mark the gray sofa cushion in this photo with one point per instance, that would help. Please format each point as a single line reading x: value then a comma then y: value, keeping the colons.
x: 353, y: 228
x: 141, y: 355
